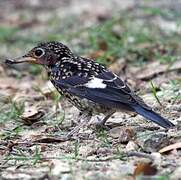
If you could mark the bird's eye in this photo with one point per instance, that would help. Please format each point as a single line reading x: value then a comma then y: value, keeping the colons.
x: 39, y: 52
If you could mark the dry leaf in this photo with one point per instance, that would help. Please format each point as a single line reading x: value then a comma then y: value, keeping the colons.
x: 49, y: 139
x: 103, y: 45
x: 8, y: 86
x: 100, y: 53
x: 31, y: 115
x: 126, y: 134
x: 154, y: 68
x: 96, y: 54
x: 28, y: 24
x: 170, y: 147
x: 146, y: 169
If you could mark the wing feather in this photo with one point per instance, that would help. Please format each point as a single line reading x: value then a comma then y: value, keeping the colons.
x: 115, y: 93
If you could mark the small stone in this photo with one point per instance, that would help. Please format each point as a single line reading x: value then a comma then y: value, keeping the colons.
x: 176, y: 174
x: 123, y: 134
x: 156, y: 158
x: 48, y: 89
x: 132, y: 146
x: 60, y: 167
x: 153, y: 142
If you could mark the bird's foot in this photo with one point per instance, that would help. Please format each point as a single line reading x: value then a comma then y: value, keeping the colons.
x: 85, y: 117
x: 100, y: 125
x: 73, y: 132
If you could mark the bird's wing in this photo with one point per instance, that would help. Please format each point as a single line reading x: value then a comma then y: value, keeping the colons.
x: 105, y: 88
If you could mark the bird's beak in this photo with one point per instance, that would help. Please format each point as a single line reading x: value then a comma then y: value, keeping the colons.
x: 21, y: 60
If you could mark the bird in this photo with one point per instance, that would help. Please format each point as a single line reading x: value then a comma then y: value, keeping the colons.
x: 88, y: 85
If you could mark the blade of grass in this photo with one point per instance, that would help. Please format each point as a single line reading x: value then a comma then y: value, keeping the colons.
x: 154, y: 92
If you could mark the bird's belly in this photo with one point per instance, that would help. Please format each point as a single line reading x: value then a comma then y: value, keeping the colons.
x: 95, y: 108
x: 86, y: 105
x: 83, y: 104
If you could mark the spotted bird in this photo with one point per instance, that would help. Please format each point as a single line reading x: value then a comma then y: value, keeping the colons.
x: 89, y: 86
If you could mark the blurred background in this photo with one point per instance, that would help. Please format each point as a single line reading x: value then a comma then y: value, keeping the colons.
x: 119, y: 26
x: 137, y: 39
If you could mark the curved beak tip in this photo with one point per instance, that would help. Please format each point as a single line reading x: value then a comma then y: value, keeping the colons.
x: 9, y: 61
x: 20, y: 60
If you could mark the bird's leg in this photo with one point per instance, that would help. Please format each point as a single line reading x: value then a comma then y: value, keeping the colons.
x: 84, y: 118
x: 101, y: 123
x: 76, y: 121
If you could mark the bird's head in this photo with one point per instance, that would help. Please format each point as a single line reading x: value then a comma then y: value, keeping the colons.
x: 46, y: 54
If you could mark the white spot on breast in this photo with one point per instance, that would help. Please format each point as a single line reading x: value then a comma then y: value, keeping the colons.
x: 95, y: 83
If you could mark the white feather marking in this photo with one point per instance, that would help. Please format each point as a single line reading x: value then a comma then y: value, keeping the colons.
x: 96, y: 83
x: 111, y: 80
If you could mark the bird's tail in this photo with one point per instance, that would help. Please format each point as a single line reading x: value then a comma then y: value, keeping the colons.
x: 153, y: 116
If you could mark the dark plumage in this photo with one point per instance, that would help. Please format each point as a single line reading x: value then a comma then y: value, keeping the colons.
x: 88, y: 85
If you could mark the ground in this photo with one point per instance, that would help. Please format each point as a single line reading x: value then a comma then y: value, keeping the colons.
x: 138, y: 40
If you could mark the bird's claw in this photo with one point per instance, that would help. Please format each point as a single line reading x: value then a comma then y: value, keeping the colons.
x: 100, y: 125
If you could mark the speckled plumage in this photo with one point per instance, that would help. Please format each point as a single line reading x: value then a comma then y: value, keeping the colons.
x: 69, y: 67
x: 88, y: 85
